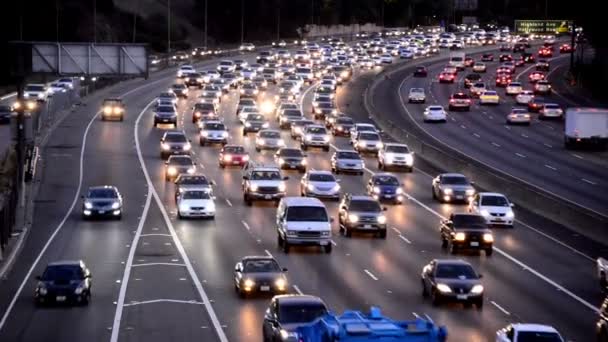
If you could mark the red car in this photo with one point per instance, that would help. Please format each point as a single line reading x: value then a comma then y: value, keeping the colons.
x: 487, y: 57
x: 504, y: 70
x: 445, y: 77
x: 233, y: 155
x: 519, y: 62
x: 505, y: 58
x: 536, y: 76
x: 566, y: 48
x: 502, y: 80
x: 468, y: 62
x: 545, y: 52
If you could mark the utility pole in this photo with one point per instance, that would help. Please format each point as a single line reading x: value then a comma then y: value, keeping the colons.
x: 135, y: 20
x: 168, y: 26
x: 57, y: 20
x: 242, y: 21
x: 205, y: 40
x: 312, y: 12
x: 546, y: 9
x: 382, y: 13
x: 95, y: 21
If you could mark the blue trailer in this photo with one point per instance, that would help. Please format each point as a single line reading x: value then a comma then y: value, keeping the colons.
x: 355, y: 326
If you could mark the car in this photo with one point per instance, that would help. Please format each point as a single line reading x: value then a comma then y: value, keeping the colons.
x: 536, y: 104
x: 489, y: 97
x: 204, y: 112
x: 514, y: 88
x: 550, y: 111
x: 416, y: 95
x: 321, y: 109
x: 406, y: 53
x: 112, y: 109
x: 397, y: 156
x: 6, y: 112
x: 268, y: 139
x: 528, y: 57
x: 469, y: 62
x: 178, y: 164
x: 451, y: 280
x: 536, y: 76
x: 460, y: 101
x: 524, y: 97
x: 67, y: 83
x: 195, y: 203
x: 246, y: 103
x: 102, y: 201
x: 248, y: 90
x: 180, y: 90
x: 566, y: 48
x: 185, y: 70
x: 487, y: 57
x: 386, y: 59
x: 286, y: 312
x: 385, y: 187
x: 479, y: 67
x: 452, y: 187
x: 368, y: 142
x: 194, y: 79
x: 466, y: 231
x: 165, y: 114
x: 505, y: 47
x: 521, y: 332
x: 601, y: 327
x: 67, y: 281
x: 195, y: 181
x: 359, y: 213
x: 213, y: 132
x: 288, y: 116
x: 504, y: 69
x: 503, y: 79
x: 435, y: 113
x: 291, y: 159
x: 519, y: 47
x: 505, y: 58
x: 259, y: 274
x: 347, y: 161
x: 57, y: 88
x: 315, y: 136
x: 420, y: 71
x: 263, y: 183
x: 247, y: 47
x: 542, y: 87
x: 477, y: 88
x: 246, y: 111
x: 446, y: 77
x: 174, y: 143
x: 494, y: 207
x: 342, y: 126
x: 320, y: 184
x: 254, y: 122
x: 297, y: 127
x: 518, y: 116
x: 545, y: 52
x: 38, y: 92
x: 226, y: 66
x: 471, y: 79
x: 542, y: 65
x: 303, y: 221
x: 233, y: 155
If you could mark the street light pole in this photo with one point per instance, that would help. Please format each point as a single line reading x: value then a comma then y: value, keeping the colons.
x: 57, y: 20
x: 168, y: 26
x: 546, y: 9
x: 312, y: 12
x: 95, y: 21
x: 242, y: 21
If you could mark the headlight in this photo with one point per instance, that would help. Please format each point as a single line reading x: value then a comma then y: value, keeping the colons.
x: 172, y: 171
x: 484, y: 213
x: 88, y: 205
x: 361, y: 144
x: 253, y: 187
x: 247, y: 124
x: 280, y: 284
x: 249, y: 283
x: 42, y: 289
x: 382, y: 219
x: 376, y: 189
x: 379, y: 145
x: 281, y: 161
x: 187, y: 147
x: 447, y: 191
x: 336, y: 188
x: 399, y: 191
x: 78, y: 290
x: 115, y: 205
x: 261, y: 141
x: 227, y: 158
x: 224, y: 134
x: 460, y: 236
x: 318, y: 110
x: 265, y: 125
x: 470, y: 192
x: 443, y: 288
x: 308, y: 137
x: 285, y: 335
x: 510, y: 214
x: 353, y: 218
x: 107, y: 110
x: 280, y: 142
x: 477, y: 289
x: 191, y: 170
x: 310, y: 187
x: 487, y: 237
x: 282, y: 187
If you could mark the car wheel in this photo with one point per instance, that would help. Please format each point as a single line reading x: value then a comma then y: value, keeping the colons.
x: 86, y: 299
x: 435, y: 298
x: 489, y: 251
x: 222, y: 166
x: 328, y: 248
x: 286, y: 247
x: 479, y: 304
x: 326, y: 149
x: 347, y: 232
x: 257, y: 149
x: 434, y: 194
x: 380, y: 166
x: 444, y: 243
x: 382, y: 234
x: 304, y: 147
x: 201, y: 142
x: 425, y: 293
x: 247, y: 200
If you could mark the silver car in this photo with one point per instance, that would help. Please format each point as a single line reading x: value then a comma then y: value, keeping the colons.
x: 368, y: 142
x: 320, y: 184
x: 347, y: 161
x: 213, y: 132
x: 416, y: 95
x: 102, y: 201
x: 268, y: 139
x: 452, y: 187
x: 315, y: 136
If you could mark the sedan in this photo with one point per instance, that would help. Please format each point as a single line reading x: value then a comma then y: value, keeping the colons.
x: 178, y: 164
x: 297, y: 128
x: 489, y: 97
x: 416, y: 95
x: 452, y: 280
x: 64, y: 282
x: 524, y: 97
x: 195, y: 203
x: 368, y: 142
x: 445, y: 77
x: 320, y: 184
x: 233, y: 155
x: 542, y: 87
x: 494, y: 207
x: 487, y: 57
x: 342, y: 126
x: 291, y: 158
x: 434, y: 114
x: 259, y: 274
x: 514, y: 88
x: 347, y: 161
x: 536, y: 76
x: 102, y: 201
x: 450, y: 187
x: 420, y: 71
x: 550, y: 111
x: 385, y: 187
x: 479, y: 67
x: 268, y: 139
x: 519, y: 116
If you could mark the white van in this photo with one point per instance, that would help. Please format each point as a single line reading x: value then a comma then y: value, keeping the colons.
x: 303, y: 221
x: 457, y: 60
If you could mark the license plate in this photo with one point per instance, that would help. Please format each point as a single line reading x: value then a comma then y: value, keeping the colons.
x: 264, y: 288
x: 474, y: 244
x: 461, y: 297
x: 235, y: 163
x: 165, y: 120
x: 102, y: 211
x: 459, y: 197
x: 367, y: 226
x: 60, y: 298
x: 267, y: 197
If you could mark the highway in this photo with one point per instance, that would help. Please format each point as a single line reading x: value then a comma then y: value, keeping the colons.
x: 157, y: 278
x: 534, y: 154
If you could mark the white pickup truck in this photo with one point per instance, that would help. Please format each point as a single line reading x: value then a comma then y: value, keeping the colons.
x: 602, y: 272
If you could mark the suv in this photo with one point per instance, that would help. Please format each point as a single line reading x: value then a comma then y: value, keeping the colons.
x: 263, y: 183
x: 448, y: 187
x: 460, y: 101
x: 315, y: 136
x: 303, y: 221
x: 291, y: 158
x: 38, y: 92
x: 286, y: 312
x: 465, y: 231
x: 113, y: 108
x: 174, y: 142
x: 213, y: 132
x: 395, y: 155
x: 361, y: 213
x: 165, y: 115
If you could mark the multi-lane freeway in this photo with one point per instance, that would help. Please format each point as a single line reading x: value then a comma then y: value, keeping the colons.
x: 158, y: 278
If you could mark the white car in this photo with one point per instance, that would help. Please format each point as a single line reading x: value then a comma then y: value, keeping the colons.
x: 320, y: 184
x: 524, y: 97
x: 247, y: 47
x: 494, y: 207
x: 56, y: 88
x: 406, y: 53
x: 550, y: 110
x: 416, y: 95
x: 315, y: 136
x: 479, y: 67
x: 184, y: 70
x: 434, y: 114
x: 519, y: 332
x: 360, y: 127
x: 195, y: 203
x: 519, y: 116
x: 396, y: 156
x: 66, y: 82
x: 267, y: 139
x: 245, y: 111
x: 38, y: 92
x: 514, y: 88
x: 386, y: 58
x: 226, y: 66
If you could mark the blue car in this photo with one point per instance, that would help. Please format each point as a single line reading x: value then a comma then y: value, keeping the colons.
x: 64, y: 282
x: 385, y: 187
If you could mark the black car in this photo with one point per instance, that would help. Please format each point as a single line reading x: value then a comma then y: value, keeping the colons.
x: 203, y: 111
x: 287, y: 312
x: 342, y: 126
x: 471, y: 79
x: 487, y: 57
x: 453, y: 281
x: 291, y: 159
x: 466, y: 232
x: 64, y: 282
x: 259, y: 274
x: 180, y: 90
x: 528, y: 57
x: 194, y: 79
x: 165, y: 115
x: 420, y: 71
x: 5, y: 113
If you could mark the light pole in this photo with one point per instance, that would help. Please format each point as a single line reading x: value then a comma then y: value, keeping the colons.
x: 546, y: 9
x: 205, y: 39
x: 57, y: 20
x: 95, y: 21
x: 168, y: 26
x: 242, y: 21
x: 278, y: 20
x: 135, y: 20
x: 312, y: 12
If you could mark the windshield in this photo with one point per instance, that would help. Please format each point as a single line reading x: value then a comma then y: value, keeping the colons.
x: 385, y: 180
x: 290, y: 152
x: 344, y: 121
x: 34, y: 88
x: 321, y: 177
x: 190, y: 180
x: 307, y: 214
x: 244, y: 103
x: 269, y: 134
x: 369, y: 136
x: 176, y: 138
x: 215, y: 126
x: 536, y: 336
x: 226, y: 63
x: 196, y: 195
x: 234, y: 149
x: 292, y: 112
x: 63, y: 272
x: 265, y: 175
x: 397, y: 149
x: 180, y: 161
x: 261, y: 265
x: 165, y: 109
x: 365, y: 205
x: 417, y: 90
x: 300, y: 312
x: 494, y: 201
x: 469, y: 221
x: 303, y: 70
x: 102, y: 193
x: 204, y: 106
x: 454, y: 180
x: 316, y: 130
x: 348, y: 155
x: 325, y: 105
x: 455, y: 272
x: 255, y: 117
x: 457, y: 59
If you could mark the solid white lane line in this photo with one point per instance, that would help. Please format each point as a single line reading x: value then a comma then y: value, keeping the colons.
x: 133, y: 303
x: 588, y: 181
x: 246, y: 225
x: 550, y: 167
x: 547, y: 145
x: 477, y: 135
x: 370, y: 274
x: 495, y: 144
x: 178, y: 245
x: 8, y: 96
x: 268, y: 253
x: 574, y: 250
x: 405, y: 239
x: 154, y: 234
x: 333, y: 242
x: 228, y: 202
x: 525, y: 136
x: 158, y: 264
x: 463, y: 126
x: 397, y: 231
x: 520, y: 155
x: 577, y: 156
x: 500, y: 308
x: 295, y: 287
x: 507, y: 127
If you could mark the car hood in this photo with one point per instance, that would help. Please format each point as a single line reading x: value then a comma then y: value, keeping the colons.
x: 275, y: 182
x: 343, y: 160
x: 62, y: 283
x: 263, y: 276
x: 308, y: 225
x: 493, y: 209
x: 458, y: 283
x: 197, y: 202
x: 456, y: 187
x: 323, y: 185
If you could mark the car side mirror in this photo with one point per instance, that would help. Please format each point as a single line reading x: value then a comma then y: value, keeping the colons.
x: 284, y: 269
x: 331, y: 220
x: 512, y: 205
x: 245, y: 177
x: 285, y: 178
x: 338, y: 180
x: 90, y: 276
x: 166, y: 162
x: 38, y: 277
x: 236, y: 268
x: 213, y: 183
x: 384, y: 208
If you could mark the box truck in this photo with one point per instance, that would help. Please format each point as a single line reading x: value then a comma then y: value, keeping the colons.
x: 586, y: 126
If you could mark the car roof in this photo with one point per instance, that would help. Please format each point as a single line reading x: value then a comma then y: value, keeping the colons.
x: 451, y: 262
x: 384, y: 174
x: 362, y: 198
x: 319, y: 172
x: 491, y: 194
x: 301, y: 201
x: 452, y: 174
x: 66, y: 263
x: 533, y: 327
x: 175, y: 132
x: 297, y: 298
x: 100, y: 187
